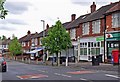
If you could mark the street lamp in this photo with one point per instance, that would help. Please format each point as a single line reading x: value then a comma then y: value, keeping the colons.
x: 43, y: 37
x: 78, y: 48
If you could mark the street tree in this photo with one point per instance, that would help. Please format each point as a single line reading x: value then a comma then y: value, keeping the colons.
x: 15, y: 47
x: 3, y: 11
x: 3, y: 37
x: 57, y: 40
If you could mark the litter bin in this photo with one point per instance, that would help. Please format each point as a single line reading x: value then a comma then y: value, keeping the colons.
x: 100, y: 58
x: 95, y: 61
x: 115, y: 55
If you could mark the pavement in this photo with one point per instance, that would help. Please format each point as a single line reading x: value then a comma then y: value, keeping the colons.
x: 83, y: 65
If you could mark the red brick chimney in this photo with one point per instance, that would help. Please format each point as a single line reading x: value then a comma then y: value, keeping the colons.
x: 28, y: 32
x: 73, y: 17
x: 93, y: 7
x: 47, y: 26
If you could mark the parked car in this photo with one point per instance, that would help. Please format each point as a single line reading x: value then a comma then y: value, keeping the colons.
x: 3, y: 65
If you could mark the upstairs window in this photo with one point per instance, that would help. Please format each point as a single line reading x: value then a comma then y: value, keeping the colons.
x: 116, y: 20
x: 36, y: 42
x: 72, y: 33
x: 96, y: 26
x: 85, y: 27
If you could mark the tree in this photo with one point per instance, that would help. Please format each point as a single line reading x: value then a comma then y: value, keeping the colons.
x: 15, y: 47
x: 3, y: 37
x: 57, y: 40
x: 3, y: 12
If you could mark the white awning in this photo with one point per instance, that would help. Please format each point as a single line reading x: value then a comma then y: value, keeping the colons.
x: 35, y: 51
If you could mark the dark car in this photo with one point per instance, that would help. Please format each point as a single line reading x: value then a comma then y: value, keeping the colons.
x: 3, y: 65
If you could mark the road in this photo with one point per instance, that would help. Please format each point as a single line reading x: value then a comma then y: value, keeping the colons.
x: 21, y: 71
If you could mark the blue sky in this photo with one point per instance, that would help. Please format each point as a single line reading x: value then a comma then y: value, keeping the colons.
x: 26, y: 15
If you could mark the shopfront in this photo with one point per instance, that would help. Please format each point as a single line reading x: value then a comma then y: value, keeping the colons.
x: 91, y: 46
x: 113, y: 43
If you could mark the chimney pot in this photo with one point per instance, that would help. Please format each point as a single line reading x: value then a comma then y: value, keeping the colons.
x: 93, y: 7
x: 73, y: 17
x: 47, y: 26
x: 28, y: 32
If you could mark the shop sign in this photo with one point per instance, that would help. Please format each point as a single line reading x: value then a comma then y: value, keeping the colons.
x: 100, y: 38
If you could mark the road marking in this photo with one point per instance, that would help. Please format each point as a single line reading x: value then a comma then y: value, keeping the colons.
x: 62, y: 75
x: 83, y: 79
x: 43, y: 71
x: 112, y: 76
x: 80, y: 72
x: 32, y: 76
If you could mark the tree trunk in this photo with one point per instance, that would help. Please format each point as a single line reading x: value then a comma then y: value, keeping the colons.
x: 66, y: 64
x: 58, y: 59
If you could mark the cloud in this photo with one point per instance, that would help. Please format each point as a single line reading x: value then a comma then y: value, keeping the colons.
x: 13, y: 21
x: 6, y: 28
x: 17, y: 7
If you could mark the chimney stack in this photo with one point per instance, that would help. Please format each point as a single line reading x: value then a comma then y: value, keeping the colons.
x: 93, y: 7
x: 47, y: 26
x: 73, y: 17
x: 28, y: 32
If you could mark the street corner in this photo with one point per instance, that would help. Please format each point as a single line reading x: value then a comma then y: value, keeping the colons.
x: 81, y: 72
x: 32, y: 76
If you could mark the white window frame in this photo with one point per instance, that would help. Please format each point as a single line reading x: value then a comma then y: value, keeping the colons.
x: 96, y: 26
x: 85, y: 28
x: 73, y: 33
x: 36, y: 41
x: 116, y: 20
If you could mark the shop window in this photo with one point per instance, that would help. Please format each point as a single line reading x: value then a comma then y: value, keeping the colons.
x: 93, y: 51
x: 91, y: 44
x: 97, y: 51
x: 85, y: 44
x: 89, y: 51
x: 94, y: 44
x: 98, y: 44
x: 102, y: 43
x: 85, y: 51
x: 81, y: 51
x: 88, y: 44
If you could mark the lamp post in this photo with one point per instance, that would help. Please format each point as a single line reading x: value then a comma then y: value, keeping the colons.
x: 43, y: 37
x: 78, y: 48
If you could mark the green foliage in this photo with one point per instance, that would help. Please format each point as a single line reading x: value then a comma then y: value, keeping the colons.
x: 3, y: 12
x: 15, y: 47
x: 57, y: 40
x: 3, y: 37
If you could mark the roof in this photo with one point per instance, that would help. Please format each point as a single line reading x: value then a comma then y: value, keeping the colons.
x: 115, y: 8
x: 91, y: 16
x: 7, y: 41
x: 76, y: 22
x: 66, y: 24
x: 26, y: 38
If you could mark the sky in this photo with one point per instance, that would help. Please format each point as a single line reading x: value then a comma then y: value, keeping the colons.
x: 26, y: 15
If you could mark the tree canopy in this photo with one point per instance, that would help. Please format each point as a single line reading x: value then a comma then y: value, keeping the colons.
x: 15, y: 47
x: 57, y: 40
x: 3, y: 11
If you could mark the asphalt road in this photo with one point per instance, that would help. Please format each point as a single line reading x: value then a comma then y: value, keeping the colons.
x: 21, y: 71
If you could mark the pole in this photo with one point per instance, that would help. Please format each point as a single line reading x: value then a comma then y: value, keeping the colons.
x: 43, y: 37
x: 78, y: 48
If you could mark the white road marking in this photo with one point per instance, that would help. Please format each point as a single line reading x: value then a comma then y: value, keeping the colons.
x: 65, y: 75
x: 62, y: 75
x: 112, y: 76
x: 42, y: 71
x: 83, y: 79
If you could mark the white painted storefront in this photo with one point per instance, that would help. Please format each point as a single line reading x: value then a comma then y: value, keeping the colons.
x: 91, y: 46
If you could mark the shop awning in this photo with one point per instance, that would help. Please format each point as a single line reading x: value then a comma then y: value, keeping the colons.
x: 35, y: 51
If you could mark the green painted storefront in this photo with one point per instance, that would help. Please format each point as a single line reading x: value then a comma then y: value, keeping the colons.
x: 113, y: 42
